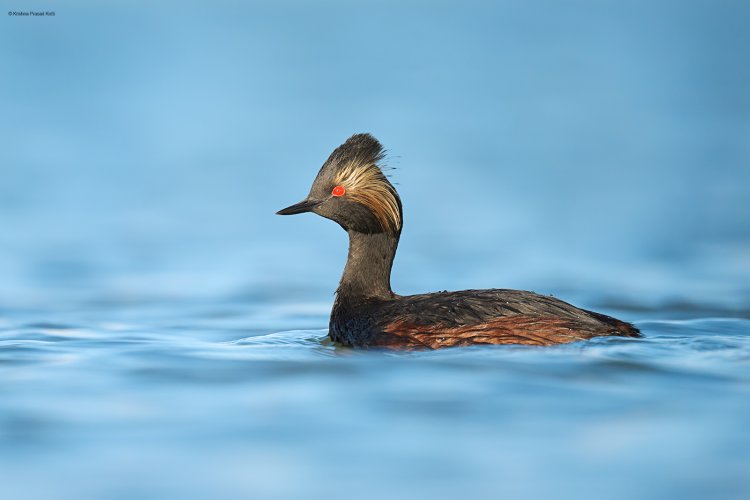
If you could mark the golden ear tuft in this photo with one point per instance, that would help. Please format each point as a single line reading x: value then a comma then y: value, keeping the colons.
x: 365, y: 184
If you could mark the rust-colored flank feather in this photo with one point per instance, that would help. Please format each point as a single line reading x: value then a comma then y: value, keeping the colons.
x: 524, y: 330
x: 527, y: 330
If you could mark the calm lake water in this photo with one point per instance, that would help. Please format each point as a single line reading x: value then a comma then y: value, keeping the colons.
x: 240, y: 398
x: 162, y: 332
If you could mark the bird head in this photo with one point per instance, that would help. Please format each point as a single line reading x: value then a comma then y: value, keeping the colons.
x: 351, y: 189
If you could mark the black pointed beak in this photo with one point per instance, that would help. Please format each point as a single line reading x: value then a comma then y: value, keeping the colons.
x: 299, y: 208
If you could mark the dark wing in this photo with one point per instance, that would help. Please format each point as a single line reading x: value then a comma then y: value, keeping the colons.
x: 491, y: 317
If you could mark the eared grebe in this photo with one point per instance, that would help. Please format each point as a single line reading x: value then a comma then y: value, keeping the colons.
x: 352, y: 190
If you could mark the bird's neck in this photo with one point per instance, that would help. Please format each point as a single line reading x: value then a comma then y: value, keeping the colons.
x: 368, y: 268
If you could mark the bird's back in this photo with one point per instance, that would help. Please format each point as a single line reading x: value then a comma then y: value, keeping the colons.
x: 468, y: 317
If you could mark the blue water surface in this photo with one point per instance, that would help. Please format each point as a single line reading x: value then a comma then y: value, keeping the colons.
x: 163, y: 333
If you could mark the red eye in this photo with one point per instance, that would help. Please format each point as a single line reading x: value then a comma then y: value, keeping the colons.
x: 338, y: 191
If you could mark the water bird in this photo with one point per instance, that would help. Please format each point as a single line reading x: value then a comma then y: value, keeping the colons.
x: 352, y: 190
